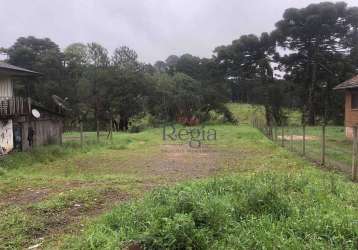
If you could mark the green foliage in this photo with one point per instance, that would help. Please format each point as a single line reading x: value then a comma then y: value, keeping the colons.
x: 316, y: 35
x: 38, y: 155
x: 17, y: 227
x: 244, y: 113
x: 180, y: 95
x: 243, y: 211
x: 83, y: 197
x: 41, y: 55
x: 267, y: 198
x: 139, y: 123
x: 322, y: 39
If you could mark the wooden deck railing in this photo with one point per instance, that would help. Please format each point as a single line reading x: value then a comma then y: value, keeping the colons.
x: 14, y: 106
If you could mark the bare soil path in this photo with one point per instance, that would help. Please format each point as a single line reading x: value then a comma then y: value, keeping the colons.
x: 97, y: 182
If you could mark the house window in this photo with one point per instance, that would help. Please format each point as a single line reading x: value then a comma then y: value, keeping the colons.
x: 354, y: 100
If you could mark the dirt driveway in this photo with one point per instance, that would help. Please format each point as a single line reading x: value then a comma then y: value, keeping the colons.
x: 97, y: 182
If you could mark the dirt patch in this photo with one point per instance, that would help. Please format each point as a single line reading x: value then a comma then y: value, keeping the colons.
x: 28, y: 196
x: 178, y: 162
x: 299, y: 138
x: 70, y: 219
x: 167, y: 164
x: 170, y: 162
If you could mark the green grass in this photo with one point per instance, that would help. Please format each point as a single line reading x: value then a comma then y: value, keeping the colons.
x: 305, y: 210
x: 263, y: 196
x: 17, y: 226
x: 245, y: 112
x: 70, y: 177
x: 338, y: 147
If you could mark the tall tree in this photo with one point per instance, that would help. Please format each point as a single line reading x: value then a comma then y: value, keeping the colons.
x: 76, y: 62
x: 314, y: 36
x: 249, y: 59
x: 126, y: 87
x: 99, y: 62
x: 125, y: 58
x: 42, y: 55
x: 352, y: 38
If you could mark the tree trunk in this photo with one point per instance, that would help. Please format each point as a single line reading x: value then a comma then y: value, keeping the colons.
x: 116, y: 126
x: 268, y: 115
x: 311, y: 109
x: 123, y: 123
x: 97, y: 128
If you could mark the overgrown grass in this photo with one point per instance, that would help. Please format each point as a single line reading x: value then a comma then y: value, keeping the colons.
x: 309, y: 210
x: 244, y: 112
x: 338, y: 147
x: 51, y: 153
x: 266, y: 198
x: 17, y: 227
x: 40, y: 189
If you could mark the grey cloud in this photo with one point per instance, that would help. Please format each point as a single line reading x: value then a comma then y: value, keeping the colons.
x: 154, y: 28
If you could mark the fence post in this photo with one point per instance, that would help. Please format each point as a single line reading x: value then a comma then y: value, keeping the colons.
x: 354, y: 154
x: 275, y: 131
x: 282, y: 136
x: 111, y: 129
x: 291, y: 140
x: 260, y: 125
x: 303, y: 139
x: 323, y: 151
x: 97, y: 130
x: 81, y: 133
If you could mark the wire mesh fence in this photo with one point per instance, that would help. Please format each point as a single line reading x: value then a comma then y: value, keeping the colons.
x: 327, y: 146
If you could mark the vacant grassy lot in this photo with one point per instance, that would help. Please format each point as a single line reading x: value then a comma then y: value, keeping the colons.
x: 242, y: 191
x: 54, y: 190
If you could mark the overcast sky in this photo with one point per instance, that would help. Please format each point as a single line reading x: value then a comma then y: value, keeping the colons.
x: 154, y: 28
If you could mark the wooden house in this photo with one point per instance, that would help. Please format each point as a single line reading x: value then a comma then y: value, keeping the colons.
x: 351, y: 104
x: 23, y: 122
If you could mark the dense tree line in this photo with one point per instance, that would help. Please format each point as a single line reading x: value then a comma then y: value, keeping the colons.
x: 320, y: 44
x: 296, y: 65
x: 99, y: 87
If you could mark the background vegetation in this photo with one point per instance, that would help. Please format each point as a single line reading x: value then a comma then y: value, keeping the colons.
x: 311, y: 50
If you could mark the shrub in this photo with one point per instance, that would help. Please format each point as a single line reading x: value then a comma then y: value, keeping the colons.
x: 246, y: 212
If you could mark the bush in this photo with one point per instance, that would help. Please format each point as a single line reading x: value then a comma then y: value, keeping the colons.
x: 139, y: 123
x: 246, y: 212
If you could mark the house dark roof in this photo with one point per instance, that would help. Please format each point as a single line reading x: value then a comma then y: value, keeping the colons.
x: 11, y: 70
x: 349, y: 84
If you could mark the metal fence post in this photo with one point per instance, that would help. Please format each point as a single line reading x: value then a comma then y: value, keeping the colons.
x: 323, y: 151
x: 354, y: 154
x: 304, y: 139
